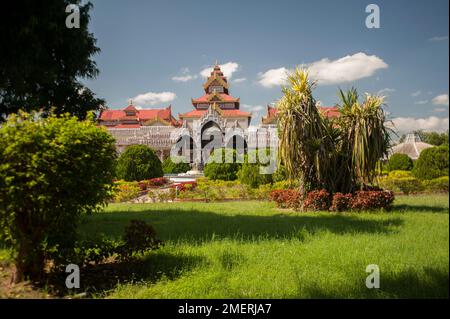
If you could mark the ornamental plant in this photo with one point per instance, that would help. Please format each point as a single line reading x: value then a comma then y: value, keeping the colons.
x: 53, y: 170
x: 432, y: 163
x: 400, y: 162
x: 317, y: 200
x: 137, y: 163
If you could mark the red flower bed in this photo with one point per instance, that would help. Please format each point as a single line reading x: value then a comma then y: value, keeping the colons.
x: 341, y: 202
x: 367, y: 200
x: 182, y: 186
x: 286, y: 198
x: 157, y: 182
x: 317, y: 200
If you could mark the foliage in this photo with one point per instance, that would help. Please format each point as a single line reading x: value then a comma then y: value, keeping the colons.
x: 399, y: 174
x: 400, y: 162
x: 251, y: 174
x: 286, y: 198
x: 217, y: 167
x: 126, y: 191
x: 337, y: 155
x: 404, y: 184
x: 157, y: 182
x: 137, y: 163
x: 317, y: 200
x: 42, y: 61
x: 433, y: 162
x: 341, y: 202
x: 370, y: 200
x: 439, y: 184
x: 52, y: 171
x: 179, y: 166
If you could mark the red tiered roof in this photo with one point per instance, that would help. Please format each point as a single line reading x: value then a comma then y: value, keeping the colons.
x: 328, y: 111
x: 130, y: 113
x: 224, y: 97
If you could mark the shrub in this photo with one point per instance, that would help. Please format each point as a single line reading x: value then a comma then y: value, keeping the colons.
x: 52, y: 171
x: 252, y: 173
x: 405, y: 185
x: 138, y: 162
x: 217, y: 169
x: 439, y: 184
x: 157, y: 182
x: 317, y: 200
x: 125, y: 191
x: 432, y: 163
x: 175, y: 165
x: 139, y: 238
x: 369, y: 200
x: 341, y: 202
x: 399, y: 174
x: 286, y: 198
x: 400, y: 162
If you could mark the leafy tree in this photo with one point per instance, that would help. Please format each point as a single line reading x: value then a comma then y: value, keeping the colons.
x: 52, y: 171
x: 432, y: 163
x: 137, y: 163
x: 400, y: 162
x: 170, y: 167
x: 217, y: 167
x: 42, y: 61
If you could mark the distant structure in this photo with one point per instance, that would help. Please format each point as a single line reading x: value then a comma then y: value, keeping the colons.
x: 412, y: 146
x: 215, y: 114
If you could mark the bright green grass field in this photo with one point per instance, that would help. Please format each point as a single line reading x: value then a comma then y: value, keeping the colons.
x: 254, y: 250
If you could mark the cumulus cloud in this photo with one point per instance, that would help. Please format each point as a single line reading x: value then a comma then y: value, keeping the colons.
x: 439, y: 38
x: 432, y: 123
x: 441, y: 99
x: 151, y: 98
x: 185, y: 76
x: 326, y: 72
x: 273, y: 77
x: 228, y: 69
x: 239, y: 80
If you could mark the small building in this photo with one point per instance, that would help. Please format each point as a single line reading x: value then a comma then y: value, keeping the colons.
x: 412, y: 146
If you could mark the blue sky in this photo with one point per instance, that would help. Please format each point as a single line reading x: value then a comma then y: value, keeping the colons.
x: 155, y: 51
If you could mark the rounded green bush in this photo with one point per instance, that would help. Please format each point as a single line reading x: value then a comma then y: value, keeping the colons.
x: 400, y: 162
x: 137, y: 163
x: 171, y: 167
x: 250, y: 173
x: 219, y: 170
x: 432, y: 163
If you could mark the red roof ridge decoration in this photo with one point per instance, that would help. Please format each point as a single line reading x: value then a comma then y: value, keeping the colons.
x: 271, y: 116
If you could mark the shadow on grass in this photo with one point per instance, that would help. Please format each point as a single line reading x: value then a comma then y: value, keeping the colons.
x: 410, y: 208
x: 199, y: 226
x: 97, y: 280
x: 431, y: 283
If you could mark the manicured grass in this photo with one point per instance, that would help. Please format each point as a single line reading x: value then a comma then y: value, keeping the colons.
x: 254, y: 250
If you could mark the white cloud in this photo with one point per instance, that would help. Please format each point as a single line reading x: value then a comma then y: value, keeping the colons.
x: 432, y: 123
x: 239, y: 80
x: 441, y: 99
x: 228, y: 69
x: 438, y: 39
x: 385, y: 91
x: 151, y: 98
x: 421, y: 102
x: 346, y: 69
x: 253, y: 108
x: 416, y: 94
x: 273, y: 77
x: 184, y: 78
x: 439, y: 109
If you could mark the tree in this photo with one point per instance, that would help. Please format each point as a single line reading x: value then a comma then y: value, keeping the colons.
x: 42, y: 61
x: 339, y: 155
x: 219, y: 168
x: 432, y: 163
x: 137, y: 163
x: 52, y: 171
x: 170, y: 167
x: 400, y: 162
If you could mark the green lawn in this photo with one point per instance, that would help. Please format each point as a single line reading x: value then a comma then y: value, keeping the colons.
x: 254, y: 250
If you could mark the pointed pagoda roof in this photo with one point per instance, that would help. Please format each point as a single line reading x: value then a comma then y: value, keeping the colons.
x: 412, y: 146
